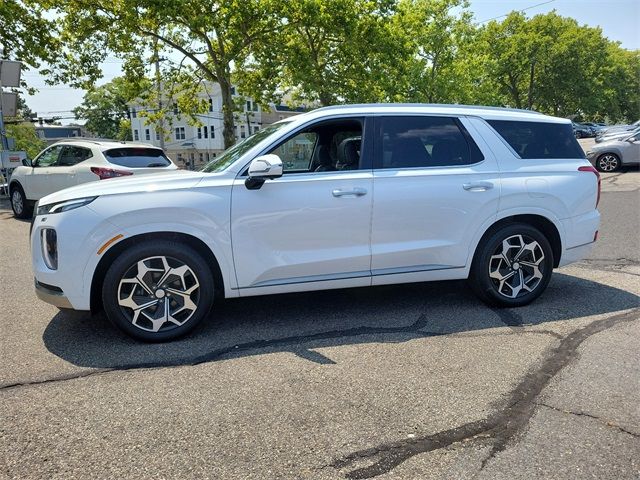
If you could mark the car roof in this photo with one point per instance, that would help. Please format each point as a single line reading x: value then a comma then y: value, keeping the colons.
x: 488, y: 113
x: 103, y: 145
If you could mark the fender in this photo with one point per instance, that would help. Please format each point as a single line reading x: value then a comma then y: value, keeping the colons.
x: 191, y: 223
x: 501, y: 215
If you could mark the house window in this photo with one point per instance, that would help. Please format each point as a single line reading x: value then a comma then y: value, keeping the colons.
x: 242, y: 132
x: 256, y: 128
x: 147, y: 134
x: 180, y: 134
x: 200, y: 131
x: 248, y: 105
x: 206, y: 131
x: 135, y: 135
x: 213, y: 132
x: 158, y: 135
x: 233, y: 90
x: 211, y: 104
x: 176, y: 110
x: 201, y: 157
x: 133, y: 113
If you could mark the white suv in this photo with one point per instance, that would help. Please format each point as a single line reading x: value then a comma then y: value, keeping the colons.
x: 338, y: 197
x: 70, y: 162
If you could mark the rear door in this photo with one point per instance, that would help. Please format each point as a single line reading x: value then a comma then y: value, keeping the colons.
x: 434, y: 188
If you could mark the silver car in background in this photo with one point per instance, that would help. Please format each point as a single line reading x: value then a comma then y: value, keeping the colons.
x: 612, y: 155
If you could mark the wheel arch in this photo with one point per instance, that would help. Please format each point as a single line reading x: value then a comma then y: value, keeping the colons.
x: 542, y: 223
x: 15, y: 183
x: 110, y: 255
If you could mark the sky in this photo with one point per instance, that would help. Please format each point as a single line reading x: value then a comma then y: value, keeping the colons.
x: 619, y: 20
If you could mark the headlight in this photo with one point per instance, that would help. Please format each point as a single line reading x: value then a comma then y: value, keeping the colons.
x: 63, y: 206
x: 49, y: 244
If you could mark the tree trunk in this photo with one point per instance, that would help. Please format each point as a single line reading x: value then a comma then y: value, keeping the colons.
x: 229, y: 131
x: 531, y: 80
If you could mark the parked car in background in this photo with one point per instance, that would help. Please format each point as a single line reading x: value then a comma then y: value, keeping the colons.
x: 70, y: 162
x: 611, y: 156
x: 611, y: 129
x: 616, y: 135
x: 348, y: 196
x: 597, y: 127
x: 583, y: 131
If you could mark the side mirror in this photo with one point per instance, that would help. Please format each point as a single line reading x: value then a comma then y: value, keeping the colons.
x: 263, y: 168
x: 27, y: 162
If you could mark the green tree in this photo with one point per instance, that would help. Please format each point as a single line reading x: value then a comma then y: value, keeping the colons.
x: 25, y: 34
x: 106, y: 109
x: 211, y: 37
x: 435, y: 33
x: 26, y: 138
x: 552, y: 64
x: 328, y: 51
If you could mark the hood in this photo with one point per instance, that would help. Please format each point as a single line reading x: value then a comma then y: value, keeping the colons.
x: 174, y: 180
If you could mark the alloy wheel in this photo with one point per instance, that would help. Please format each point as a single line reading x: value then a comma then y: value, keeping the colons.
x: 516, y: 267
x: 608, y: 163
x: 159, y: 293
x: 16, y: 202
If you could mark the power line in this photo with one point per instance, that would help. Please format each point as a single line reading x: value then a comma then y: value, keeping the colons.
x: 522, y: 10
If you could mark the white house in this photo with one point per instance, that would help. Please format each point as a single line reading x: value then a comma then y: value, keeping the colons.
x: 191, y: 146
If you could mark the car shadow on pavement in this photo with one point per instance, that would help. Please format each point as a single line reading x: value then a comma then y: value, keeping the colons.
x: 299, y: 323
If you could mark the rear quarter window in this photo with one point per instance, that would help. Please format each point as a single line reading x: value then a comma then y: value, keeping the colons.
x: 539, y: 139
x: 133, y: 157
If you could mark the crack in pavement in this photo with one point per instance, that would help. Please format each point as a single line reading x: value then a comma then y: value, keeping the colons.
x: 293, y: 342
x: 499, y: 428
x: 604, y: 421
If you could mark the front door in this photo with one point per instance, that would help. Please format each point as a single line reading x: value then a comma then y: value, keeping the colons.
x: 313, y: 223
x: 434, y: 189
x: 38, y: 181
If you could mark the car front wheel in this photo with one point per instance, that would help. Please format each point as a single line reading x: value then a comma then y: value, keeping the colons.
x: 512, y: 267
x: 19, y: 203
x: 158, y: 291
x: 609, y: 162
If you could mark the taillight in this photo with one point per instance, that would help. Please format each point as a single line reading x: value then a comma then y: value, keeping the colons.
x: 105, y: 173
x: 592, y: 169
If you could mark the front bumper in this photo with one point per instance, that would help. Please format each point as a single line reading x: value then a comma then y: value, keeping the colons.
x: 50, y: 294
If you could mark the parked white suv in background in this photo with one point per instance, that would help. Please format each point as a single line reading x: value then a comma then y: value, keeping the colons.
x: 338, y: 197
x: 71, y: 162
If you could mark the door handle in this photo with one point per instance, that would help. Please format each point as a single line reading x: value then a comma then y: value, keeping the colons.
x: 477, y: 186
x: 356, y: 192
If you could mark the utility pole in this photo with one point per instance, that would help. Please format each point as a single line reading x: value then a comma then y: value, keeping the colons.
x: 160, y: 125
x: 3, y: 137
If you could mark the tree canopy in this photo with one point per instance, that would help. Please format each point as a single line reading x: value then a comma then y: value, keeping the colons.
x: 321, y: 52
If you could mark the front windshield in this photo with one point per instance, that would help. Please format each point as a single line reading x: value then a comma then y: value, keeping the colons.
x: 233, y: 153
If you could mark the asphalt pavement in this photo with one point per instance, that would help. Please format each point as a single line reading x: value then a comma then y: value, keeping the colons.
x: 413, y: 381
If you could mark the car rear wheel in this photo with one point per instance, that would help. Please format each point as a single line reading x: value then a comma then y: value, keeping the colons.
x: 512, y: 266
x: 19, y: 203
x: 609, y: 162
x: 158, y: 291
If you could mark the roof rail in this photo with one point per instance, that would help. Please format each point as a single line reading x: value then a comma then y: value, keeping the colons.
x: 436, y: 105
x: 91, y: 140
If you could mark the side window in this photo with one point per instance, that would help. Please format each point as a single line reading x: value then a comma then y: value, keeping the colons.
x: 539, y: 139
x: 423, y: 141
x: 48, y: 158
x: 323, y: 147
x: 296, y: 152
x: 71, y: 155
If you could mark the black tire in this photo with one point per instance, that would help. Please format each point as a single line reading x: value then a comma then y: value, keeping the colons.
x: 152, y: 252
x: 21, y: 207
x: 608, y: 163
x: 494, y: 292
